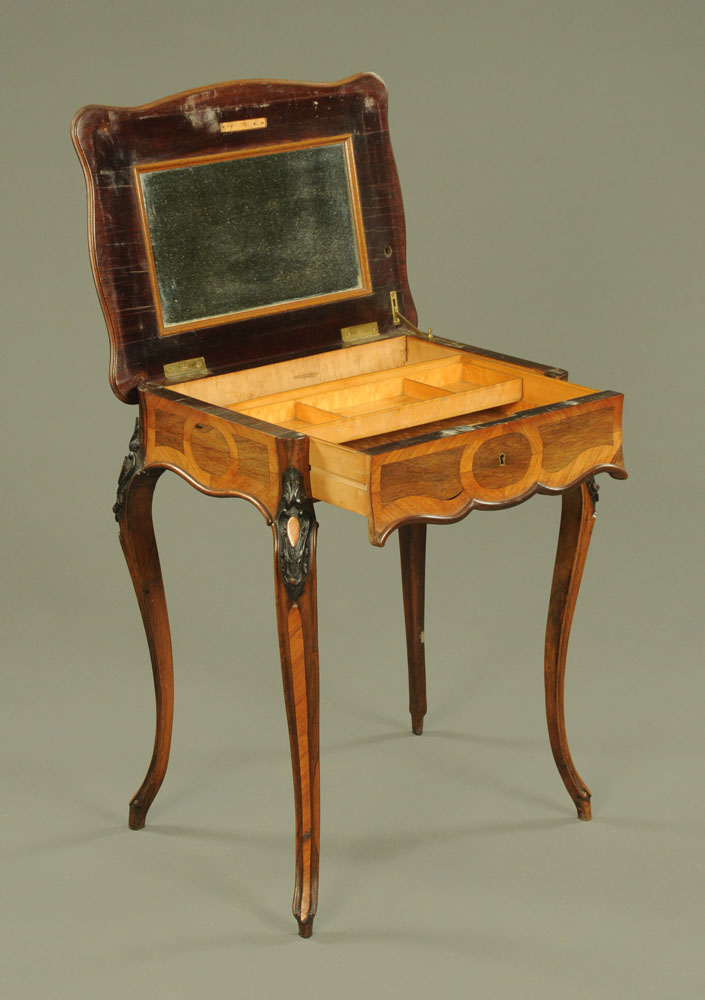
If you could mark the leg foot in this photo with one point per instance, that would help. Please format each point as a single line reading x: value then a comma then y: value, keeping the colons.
x: 306, y: 929
x: 412, y: 549
x: 138, y: 815
x: 134, y: 515
x: 577, y: 520
x: 295, y: 592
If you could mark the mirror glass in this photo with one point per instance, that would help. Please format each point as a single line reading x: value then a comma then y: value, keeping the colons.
x: 231, y: 236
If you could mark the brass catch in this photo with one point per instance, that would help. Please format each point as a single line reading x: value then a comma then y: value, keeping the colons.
x: 356, y: 334
x: 243, y: 125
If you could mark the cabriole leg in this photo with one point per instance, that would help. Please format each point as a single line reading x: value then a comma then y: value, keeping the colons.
x: 577, y: 520
x: 133, y: 512
x: 295, y: 592
x: 412, y: 548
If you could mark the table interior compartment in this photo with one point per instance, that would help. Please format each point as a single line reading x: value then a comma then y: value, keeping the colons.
x: 381, y: 389
x: 396, y: 398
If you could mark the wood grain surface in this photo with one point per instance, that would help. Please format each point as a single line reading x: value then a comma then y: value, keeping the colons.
x: 494, y: 465
x: 216, y: 452
x: 412, y: 549
x: 577, y: 521
x: 140, y: 549
x: 297, y: 625
x: 113, y: 143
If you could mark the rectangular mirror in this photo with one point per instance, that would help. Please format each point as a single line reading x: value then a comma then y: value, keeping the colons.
x: 256, y: 232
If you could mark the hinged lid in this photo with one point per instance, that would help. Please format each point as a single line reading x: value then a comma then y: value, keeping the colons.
x: 242, y: 223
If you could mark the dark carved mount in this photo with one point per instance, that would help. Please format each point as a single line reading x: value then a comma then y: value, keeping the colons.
x: 294, y: 523
x: 593, y: 488
x: 131, y: 464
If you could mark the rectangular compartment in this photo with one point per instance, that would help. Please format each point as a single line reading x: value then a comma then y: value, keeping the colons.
x: 388, y: 400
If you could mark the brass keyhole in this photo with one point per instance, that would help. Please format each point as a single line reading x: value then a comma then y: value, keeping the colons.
x: 502, y: 458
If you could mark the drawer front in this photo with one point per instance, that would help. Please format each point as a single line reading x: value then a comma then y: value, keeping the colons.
x: 496, y: 465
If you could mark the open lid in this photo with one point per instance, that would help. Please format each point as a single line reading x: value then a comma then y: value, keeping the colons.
x: 241, y: 223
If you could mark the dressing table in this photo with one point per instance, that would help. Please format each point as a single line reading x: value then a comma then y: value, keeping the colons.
x: 248, y: 247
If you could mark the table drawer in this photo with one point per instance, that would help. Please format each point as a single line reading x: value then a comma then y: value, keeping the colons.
x: 444, y: 474
x: 496, y: 464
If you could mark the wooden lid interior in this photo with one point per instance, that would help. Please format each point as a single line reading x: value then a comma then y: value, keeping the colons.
x: 241, y: 223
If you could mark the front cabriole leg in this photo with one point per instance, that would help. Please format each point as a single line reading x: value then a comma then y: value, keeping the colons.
x: 412, y: 549
x: 295, y: 591
x: 133, y: 512
x: 577, y: 520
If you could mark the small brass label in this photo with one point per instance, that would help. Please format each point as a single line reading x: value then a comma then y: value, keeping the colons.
x: 243, y: 125
x: 184, y: 369
x: 365, y: 331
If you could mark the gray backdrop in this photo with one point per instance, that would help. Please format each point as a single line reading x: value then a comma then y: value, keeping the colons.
x: 551, y: 155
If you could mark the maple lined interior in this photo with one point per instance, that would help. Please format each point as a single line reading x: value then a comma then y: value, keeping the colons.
x: 352, y: 399
x: 391, y: 399
x: 378, y: 388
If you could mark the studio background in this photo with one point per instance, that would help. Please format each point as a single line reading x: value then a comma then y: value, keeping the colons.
x: 551, y: 159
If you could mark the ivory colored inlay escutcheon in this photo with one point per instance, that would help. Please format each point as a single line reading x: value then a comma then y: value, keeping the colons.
x: 292, y: 530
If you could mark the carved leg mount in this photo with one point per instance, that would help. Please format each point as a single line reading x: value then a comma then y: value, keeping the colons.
x: 295, y: 591
x: 412, y: 548
x: 577, y: 520
x: 133, y: 512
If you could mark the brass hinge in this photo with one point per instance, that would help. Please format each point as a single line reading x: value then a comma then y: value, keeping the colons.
x: 356, y: 334
x: 189, y: 368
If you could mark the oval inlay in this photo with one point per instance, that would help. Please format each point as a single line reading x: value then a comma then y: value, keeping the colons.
x: 210, y: 449
x: 293, y: 529
x: 488, y: 468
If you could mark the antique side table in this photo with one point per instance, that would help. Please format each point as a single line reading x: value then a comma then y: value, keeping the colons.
x: 248, y: 247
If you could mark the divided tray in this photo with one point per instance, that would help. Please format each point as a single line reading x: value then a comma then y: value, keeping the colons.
x: 394, y: 399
